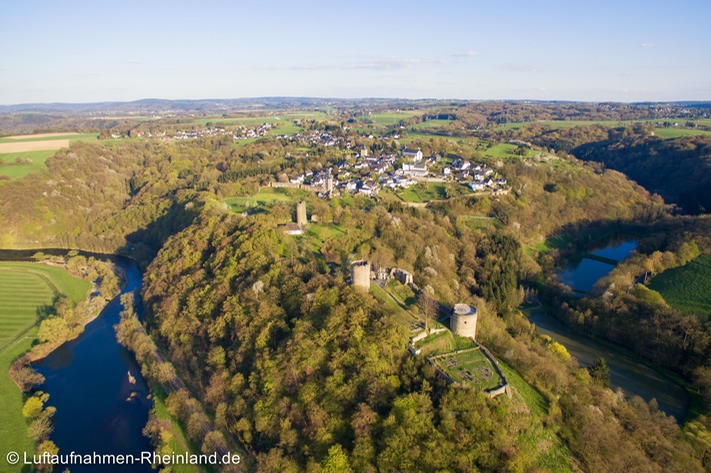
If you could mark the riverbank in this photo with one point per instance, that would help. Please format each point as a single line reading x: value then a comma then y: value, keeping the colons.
x: 26, y: 288
x: 634, y: 375
x: 85, y: 311
x: 99, y: 408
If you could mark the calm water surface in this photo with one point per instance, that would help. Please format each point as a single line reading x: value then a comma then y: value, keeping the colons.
x: 627, y: 371
x: 583, y: 273
x: 98, y: 408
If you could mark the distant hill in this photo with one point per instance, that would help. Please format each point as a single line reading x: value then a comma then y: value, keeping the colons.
x: 277, y: 103
x: 199, y: 106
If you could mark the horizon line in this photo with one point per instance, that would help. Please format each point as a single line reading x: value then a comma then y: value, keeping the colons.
x: 346, y: 99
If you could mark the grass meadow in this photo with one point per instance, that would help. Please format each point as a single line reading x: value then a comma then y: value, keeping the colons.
x: 687, y: 288
x: 37, y: 158
x: 672, y: 132
x: 433, y: 124
x: 24, y: 287
x: 677, y: 132
x: 540, y: 442
x: 265, y: 198
x: 16, y: 171
x: 423, y: 192
x: 390, y: 118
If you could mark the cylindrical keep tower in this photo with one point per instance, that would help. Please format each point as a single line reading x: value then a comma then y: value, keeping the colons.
x: 360, y: 274
x: 301, y: 213
x: 463, y: 320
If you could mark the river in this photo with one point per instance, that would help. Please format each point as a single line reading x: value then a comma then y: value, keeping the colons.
x: 584, y: 271
x: 627, y: 371
x: 98, y: 408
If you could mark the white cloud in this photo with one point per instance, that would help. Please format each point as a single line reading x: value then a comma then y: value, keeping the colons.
x: 648, y: 45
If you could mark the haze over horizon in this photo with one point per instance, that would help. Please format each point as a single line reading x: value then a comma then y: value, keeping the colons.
x: 83, y: 52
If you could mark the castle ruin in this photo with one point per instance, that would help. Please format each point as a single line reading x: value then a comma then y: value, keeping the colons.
x: 360, y: 274
x: 301, y: 213
x: 463, y: 321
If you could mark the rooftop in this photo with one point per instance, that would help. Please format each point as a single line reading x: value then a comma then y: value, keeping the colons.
x: 464, y: 309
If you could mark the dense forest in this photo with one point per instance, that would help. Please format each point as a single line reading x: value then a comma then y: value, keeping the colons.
x: 679, y: 169
x: 309, y: 373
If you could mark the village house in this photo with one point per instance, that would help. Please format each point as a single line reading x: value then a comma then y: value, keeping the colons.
x: 292, y: 229
x: 417, y: 170
x: 416, y: 155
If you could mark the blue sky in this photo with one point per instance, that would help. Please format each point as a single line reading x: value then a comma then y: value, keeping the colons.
x: 72, y: 51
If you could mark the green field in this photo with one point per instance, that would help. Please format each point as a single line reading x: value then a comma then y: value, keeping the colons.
x: 326, y: 231
x: 433, y: 124
x: 677, y: 132
x: 443, y: 343
x: 71, y: 137
x: 282, y: 118
x: 422, y: 192
x: 390, y: 118
x: 429, y: 191
x: 477, y: 222
x: 24, y: 287
x: 672, y: 132
x: 401, y: 316
x: 557, y: 124
x: 539, y: 442
x: 15, y: 171
x: 38, y: 158
x: 555, y: 242
x: 403, y: 294
x: 504, y: 150
x: 264, y: 198
x: 178, y: 444
x: 13, y: 429
x: 687, y: 288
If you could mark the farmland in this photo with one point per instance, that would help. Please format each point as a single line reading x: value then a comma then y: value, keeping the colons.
x: 50, y: 137
x: 677, y: 132
x: 433, y: 124
x: 557, y: 124
x: 23, y: 154
x: 687, y: 288
x: 390, y: 118
x: 24, y: 287
x: 663, y: 132
x: 31, y: 161
x: 282, y: 119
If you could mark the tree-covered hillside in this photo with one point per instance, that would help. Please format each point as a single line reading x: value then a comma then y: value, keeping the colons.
x: 677, y: 169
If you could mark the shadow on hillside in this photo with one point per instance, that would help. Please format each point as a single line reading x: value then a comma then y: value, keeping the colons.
x: 143, y: 245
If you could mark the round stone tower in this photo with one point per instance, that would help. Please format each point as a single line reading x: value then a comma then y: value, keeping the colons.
x: 463, y: 320
x: 360, y: 274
